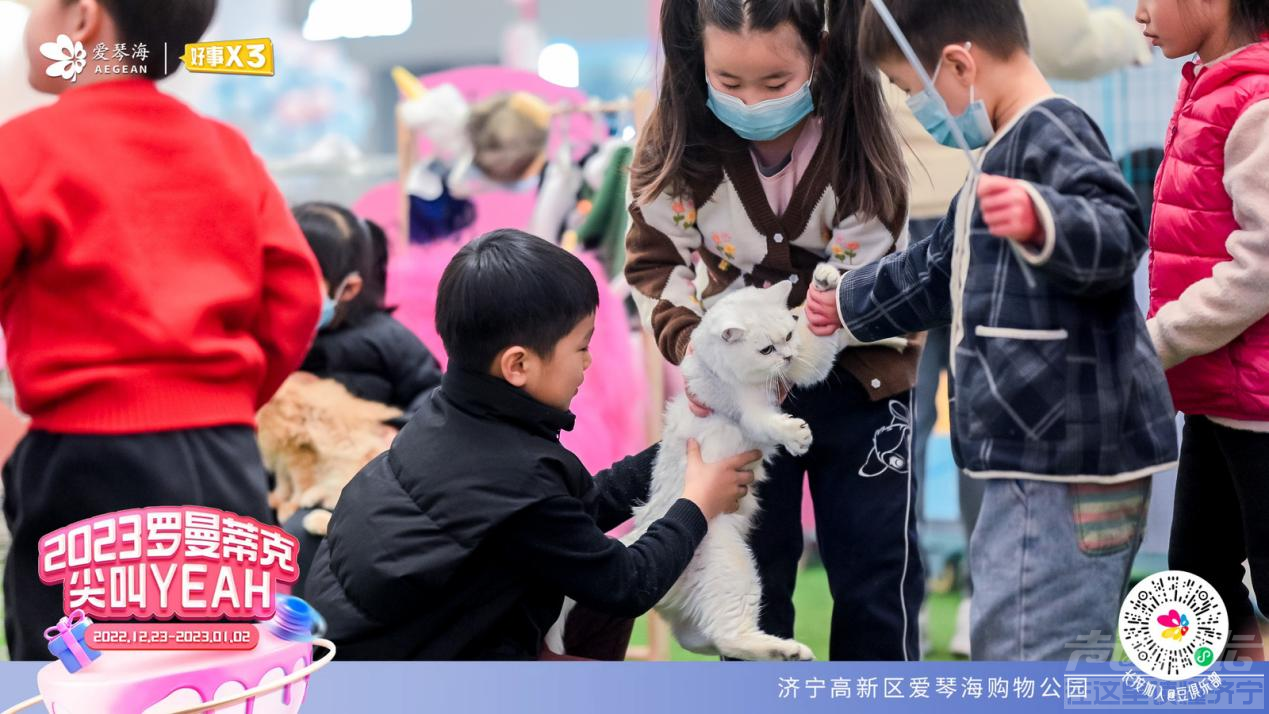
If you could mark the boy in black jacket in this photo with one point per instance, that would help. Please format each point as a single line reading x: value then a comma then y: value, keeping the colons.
x: 462, y: 540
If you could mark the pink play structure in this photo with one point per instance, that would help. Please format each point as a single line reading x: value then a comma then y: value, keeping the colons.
x: 610, y: 408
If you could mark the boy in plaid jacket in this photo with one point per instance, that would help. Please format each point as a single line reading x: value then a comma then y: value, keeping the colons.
x: 1058, y: 397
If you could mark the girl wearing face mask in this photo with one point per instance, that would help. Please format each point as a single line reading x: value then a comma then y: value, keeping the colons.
x: 771, y: 151
x: 359, y: 343
x: 1209, y: 265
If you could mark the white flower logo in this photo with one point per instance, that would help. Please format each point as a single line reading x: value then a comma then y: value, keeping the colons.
x: 68, y: 57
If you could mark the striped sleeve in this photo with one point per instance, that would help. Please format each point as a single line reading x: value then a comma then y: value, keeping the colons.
x: 904, y: 292
x: 1094, y: 233
x: 659, y: 267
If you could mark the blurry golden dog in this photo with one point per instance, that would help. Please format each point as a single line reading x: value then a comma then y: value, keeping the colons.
x: 315, y: 436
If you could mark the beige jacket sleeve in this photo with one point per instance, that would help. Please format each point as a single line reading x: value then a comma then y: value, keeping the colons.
x: 1070, y: 40
x: 1212, y: 312
x: 661, y: 271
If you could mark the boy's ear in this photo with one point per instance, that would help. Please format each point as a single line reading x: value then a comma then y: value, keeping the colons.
x: 513, y: 365
x: 959, y: 60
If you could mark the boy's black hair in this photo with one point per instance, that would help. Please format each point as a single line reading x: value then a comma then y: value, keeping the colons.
x: 344, y: 244
x: 995, y: 26
x: 510, y: 288
x: 154, y: 22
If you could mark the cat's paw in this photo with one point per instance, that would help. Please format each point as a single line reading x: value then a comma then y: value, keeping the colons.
x: 826, y: 277
x: 793, y: 434
x: 317, y: 522
x: 793, y: 651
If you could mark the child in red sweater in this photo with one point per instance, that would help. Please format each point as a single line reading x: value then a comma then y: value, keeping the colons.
x: 154, y: 291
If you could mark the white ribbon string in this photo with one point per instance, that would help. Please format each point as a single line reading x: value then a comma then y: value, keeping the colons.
x: 975, y: 171
x: 910, y: 55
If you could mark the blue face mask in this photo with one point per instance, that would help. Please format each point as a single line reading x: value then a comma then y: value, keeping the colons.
x: 763, y: 121
x: 930, y: 109
x: 328, y: 312
x: 330, y: 304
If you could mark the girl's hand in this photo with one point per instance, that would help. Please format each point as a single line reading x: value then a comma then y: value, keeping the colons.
x: 821, y: 312
x: 719, y: 486
x: 1008, y: 210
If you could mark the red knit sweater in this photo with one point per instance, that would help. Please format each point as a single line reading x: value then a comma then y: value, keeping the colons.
x: 151, y: 275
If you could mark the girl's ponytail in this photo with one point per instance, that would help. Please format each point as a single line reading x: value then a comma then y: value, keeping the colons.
x: 677, y: 149
x: 870, y: 176
x: 376, y: 281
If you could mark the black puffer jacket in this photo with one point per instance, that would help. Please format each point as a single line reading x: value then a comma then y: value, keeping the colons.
x: 377, y: 359
x: 461, y: 541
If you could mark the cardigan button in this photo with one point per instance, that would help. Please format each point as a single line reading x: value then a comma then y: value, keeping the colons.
x: 779, y: 237
x: 876, y: 384
x: 793, y: 279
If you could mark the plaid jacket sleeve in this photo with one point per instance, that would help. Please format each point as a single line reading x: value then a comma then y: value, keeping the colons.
x: 904, y: 292
x: 1093, y: 229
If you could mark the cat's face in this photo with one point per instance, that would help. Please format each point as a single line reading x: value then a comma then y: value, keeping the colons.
x: 749, y: 337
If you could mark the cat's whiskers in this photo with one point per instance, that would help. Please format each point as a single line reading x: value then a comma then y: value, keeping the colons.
x: 778, y: 383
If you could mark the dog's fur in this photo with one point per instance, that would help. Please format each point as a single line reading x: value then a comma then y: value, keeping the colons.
x: 315, y: 436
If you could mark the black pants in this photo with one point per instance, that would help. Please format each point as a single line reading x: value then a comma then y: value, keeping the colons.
x: 53, y: 480
x: 865, y: 520
x: 1219, y: 519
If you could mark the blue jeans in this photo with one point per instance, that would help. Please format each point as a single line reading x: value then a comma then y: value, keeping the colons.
x: 1051, y: 563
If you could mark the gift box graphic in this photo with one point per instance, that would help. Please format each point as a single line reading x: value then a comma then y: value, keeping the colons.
x: 66, y: 641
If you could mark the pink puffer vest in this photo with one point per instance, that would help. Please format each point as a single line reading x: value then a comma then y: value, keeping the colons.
x: 1193, y: 217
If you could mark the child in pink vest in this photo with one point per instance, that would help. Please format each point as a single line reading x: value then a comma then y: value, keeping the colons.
x: 1209, y: 305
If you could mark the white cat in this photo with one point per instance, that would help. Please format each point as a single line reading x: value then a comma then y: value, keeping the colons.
x: 746, y: 347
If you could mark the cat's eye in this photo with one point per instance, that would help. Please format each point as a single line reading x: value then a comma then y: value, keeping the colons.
x: 767, y: 350
x: 789, y: 338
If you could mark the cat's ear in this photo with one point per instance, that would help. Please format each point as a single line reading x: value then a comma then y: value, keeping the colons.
x: 781, y: 291
x: 732, y: 334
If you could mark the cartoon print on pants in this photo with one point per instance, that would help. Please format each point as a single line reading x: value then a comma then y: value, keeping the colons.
x: 890, y: 445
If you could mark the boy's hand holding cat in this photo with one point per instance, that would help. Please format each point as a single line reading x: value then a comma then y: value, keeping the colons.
x: 718, y: 487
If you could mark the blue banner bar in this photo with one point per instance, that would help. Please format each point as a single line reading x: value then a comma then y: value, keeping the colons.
x: 741, y: 688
